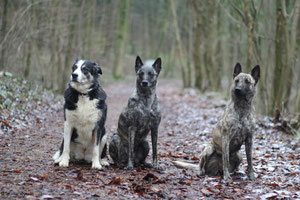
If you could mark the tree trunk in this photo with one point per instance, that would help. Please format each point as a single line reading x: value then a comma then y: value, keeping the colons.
x: 288, y: 75
x: 71, y: 35
x: 297, y: 103
x: 87, y: 46
x: 179, y: 46
x: 28, y: 59
x: 164, y: 29
x: 250, y: 35
x: 122, y: 37
x: 53, y: 44
x: 281, y: 53
x: 196, y: 54
x: 3, y: 32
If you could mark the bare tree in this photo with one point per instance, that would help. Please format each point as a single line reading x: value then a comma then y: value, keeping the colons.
x: 122, y: 37
x: 184, y: 71
x: 3, y: 32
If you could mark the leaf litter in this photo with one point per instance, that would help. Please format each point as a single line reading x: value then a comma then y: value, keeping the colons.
x: 31, y: 135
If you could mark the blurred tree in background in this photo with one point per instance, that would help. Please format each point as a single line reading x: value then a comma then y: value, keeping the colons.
x: 199, y: 42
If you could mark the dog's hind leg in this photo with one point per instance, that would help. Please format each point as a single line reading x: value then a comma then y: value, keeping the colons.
x: 214, y: 165
x: 115, y: 150
x: 235, y: 161
x: 204, y: 158
x: 141, y: 153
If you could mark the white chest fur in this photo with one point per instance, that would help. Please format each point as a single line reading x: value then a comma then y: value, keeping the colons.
x: 85, y: 115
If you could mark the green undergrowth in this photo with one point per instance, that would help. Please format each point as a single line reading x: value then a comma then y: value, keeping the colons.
x: 16, y: 92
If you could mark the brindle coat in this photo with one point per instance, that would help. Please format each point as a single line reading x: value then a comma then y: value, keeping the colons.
x: 222, y: 155
x: 142, y: 115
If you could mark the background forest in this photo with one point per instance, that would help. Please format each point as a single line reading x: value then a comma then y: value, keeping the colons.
x: 199, y: 42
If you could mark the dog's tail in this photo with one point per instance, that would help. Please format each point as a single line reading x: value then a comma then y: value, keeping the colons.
x: 185, y: 164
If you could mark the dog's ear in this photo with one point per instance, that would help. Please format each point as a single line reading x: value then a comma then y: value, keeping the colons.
x: 98, y: 68
x: 76, y: 60
x: 157, y: 65
x: 255, y: 73
x: 237, y: 70
x: 138, y: 64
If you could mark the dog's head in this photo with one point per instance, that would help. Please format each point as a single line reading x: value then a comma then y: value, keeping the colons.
x: 147, y: 73
x: 84, y: 75
x: 244, y: 85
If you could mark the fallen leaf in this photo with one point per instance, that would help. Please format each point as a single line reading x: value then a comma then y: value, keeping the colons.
x: 206, y: 192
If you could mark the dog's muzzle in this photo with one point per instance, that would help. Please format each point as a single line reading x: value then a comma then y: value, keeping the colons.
x: 239, y: 91
x: 145, y: 83
x: 74, y: 77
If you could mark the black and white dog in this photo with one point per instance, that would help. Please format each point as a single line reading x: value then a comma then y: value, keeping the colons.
x: 85, y: 114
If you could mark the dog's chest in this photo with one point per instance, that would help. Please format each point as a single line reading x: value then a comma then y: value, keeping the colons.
x: 241, y: 129
x: 86, y: 113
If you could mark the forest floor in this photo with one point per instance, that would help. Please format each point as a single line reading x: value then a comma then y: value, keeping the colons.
x: 30, y: 136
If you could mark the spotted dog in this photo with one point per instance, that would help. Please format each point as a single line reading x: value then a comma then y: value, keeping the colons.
x: 128, y: 147
x: 84, y: 137
x: 222, y: 155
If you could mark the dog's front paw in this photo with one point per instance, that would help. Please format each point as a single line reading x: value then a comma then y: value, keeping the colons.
x: 96, y: 165
x: 201, y: 173
x: 104, y: 163
x: 226, y: 177
x: 57, y: 160
x: 63, y: 161
x: 251, y: 175
x: 129, y: 167
x: 158, y: 167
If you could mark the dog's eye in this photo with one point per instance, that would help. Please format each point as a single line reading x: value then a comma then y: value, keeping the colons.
x: 74, y: 67
x: 84, y: 70
x: 142, y: 73
x: 237, y: 81
x: 247, y: 81
x: 150, y: 74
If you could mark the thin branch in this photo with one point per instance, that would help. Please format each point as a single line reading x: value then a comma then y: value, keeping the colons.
x: 229, y: 15
x: 16, y: 21
x: 239, y: 12
x: 284, y: 13
x: 255, y: 10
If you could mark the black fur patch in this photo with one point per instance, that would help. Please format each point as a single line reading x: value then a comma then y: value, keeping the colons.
x: 74, y: 135
x: 71, y: 99
x: 104, y: 151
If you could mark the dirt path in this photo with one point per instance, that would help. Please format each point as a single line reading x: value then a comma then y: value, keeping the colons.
x: 27, y: 170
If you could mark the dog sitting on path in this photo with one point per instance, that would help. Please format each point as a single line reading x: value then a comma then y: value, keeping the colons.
x: 128, y: 147
x: 222, y: 155
x: 85, y: 114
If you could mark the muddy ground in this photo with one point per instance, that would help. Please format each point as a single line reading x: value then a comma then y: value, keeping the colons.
x: 29, y: 140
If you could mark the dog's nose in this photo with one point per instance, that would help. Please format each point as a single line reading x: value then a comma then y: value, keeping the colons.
x: 238, y: 91
x: 144, y: 83
x: 74, y: 76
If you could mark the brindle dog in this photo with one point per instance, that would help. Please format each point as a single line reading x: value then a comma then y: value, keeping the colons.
x: 222, y: 155
x: 142, y: 115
